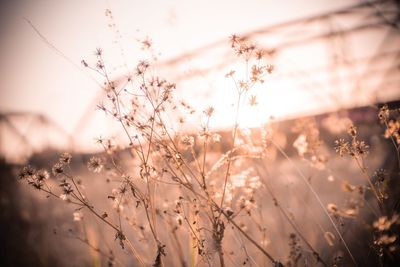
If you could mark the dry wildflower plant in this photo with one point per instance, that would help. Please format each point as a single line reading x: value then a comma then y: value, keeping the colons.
x: 204, y: 199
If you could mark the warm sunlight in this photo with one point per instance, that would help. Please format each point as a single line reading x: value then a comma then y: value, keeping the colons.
x: 200, y: 133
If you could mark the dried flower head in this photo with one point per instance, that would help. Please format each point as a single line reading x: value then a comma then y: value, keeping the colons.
x: 244, y: 86
x: 26, y: 172
x: 100, y: 65
x: 342, y: 147
x: 384, y: 223
x: 58, y: 169
x: 230, y: 74
x: 209, y: 111
x: 142, y: 67
x: 187, y: 140
x: 65, y: 158
x: 98, y: 51
x: 38, y: 184
x: 253, y: 100
x: 95, y: 164
x: 359, y: 148
x: 260, y: 54
x: 393, y: 130
x: 257, y: 73
x: 234, y: 39
x: 146, y: 43
x: 380, y: 175
x: 66, y: 187
x: 270, y: 68
x: 383, y: 114
x: 42, y: 175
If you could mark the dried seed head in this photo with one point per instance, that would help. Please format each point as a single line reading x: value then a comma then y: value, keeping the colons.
x: 383, y: 114
x: 359, y: 148
x: 42, y: 175
x: 58, y: 169
x: 65, y: 158
x: 342, y: 147
x: 187, y: 140
x: 95, y: 164
x: 209, y: 111
x: 26, y: 172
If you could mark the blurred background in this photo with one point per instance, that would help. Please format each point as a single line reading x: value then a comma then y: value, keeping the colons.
x: 328, y: 56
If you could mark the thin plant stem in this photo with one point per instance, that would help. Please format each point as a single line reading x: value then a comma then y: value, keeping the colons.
x: 317, y: 198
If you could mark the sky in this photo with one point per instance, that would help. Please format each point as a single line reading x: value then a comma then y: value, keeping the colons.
x: 37, y: 77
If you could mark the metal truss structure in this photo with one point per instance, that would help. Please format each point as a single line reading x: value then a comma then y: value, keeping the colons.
x: 354, y: 52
